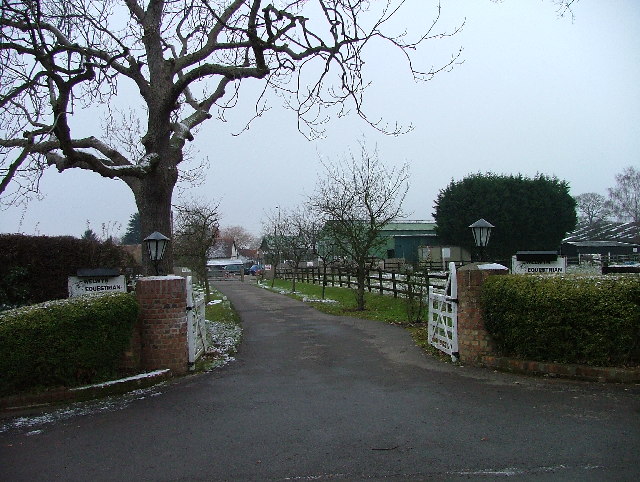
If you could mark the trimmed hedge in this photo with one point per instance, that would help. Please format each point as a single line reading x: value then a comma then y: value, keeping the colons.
x: 65, y: 342
x: 565, y: 319
x: 34, y: 269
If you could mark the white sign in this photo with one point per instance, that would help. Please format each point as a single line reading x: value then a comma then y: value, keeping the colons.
x: 545, y: 267
x: 98, y: 285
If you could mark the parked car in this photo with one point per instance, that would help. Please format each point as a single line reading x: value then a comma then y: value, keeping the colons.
x: 233, y: 269
x: 256, y: 269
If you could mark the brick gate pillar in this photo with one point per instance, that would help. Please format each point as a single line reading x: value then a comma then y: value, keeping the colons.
x: 473, y: 339
x: 163, y: 323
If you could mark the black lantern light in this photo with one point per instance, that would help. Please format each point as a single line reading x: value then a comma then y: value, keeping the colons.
x: 481, y: 230
x: 156, y: 245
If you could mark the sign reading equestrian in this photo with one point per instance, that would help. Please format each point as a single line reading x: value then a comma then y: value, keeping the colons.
x: 96, y: 282
x: 538, y: 262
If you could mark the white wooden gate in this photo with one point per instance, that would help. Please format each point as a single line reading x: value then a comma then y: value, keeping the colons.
x: 196, y: 329
x: 443, y: 315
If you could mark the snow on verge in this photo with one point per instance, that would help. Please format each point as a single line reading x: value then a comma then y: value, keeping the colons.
x: 224, y: 339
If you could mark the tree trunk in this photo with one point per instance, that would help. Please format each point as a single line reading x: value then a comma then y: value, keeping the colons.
x: 324, y: 279
x: 207, y: 295
x: 360, y: 275
x: 295, y: 276
x: 153, y: 198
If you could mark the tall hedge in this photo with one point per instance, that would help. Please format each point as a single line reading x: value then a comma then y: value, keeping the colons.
x: 565, y: 319
x: 36, y: 268
x: 528, y: 213
x: 65, y: 342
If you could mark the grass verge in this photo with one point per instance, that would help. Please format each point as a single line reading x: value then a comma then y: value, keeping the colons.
x: 342, y: 301
x: 223, y: 332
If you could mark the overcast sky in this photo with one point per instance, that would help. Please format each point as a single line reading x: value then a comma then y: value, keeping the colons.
x: 535, y: 94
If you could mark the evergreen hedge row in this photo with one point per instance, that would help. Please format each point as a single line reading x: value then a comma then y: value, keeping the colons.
x: 565, y: 319
x: 34, y: 269
x: 65, y: 342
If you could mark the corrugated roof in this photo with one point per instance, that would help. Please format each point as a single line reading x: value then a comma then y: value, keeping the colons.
x: 599, y: 243
x: 606, y: 231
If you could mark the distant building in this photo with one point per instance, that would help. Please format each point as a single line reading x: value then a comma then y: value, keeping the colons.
x: 223, y: 254
x: 603, y: 238
x: 224, y: 248
x: 404, y: 240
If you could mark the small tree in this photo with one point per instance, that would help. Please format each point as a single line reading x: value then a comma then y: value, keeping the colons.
x: 323, y: 249
x: 356, y: 199
x: 243, y: 238
x: 90, y: 235
x: 195, y: 234
x: 299, y: 239
x: 624, y: 198
x: 274, y: 240
x: 134, y: 232
x: 592, y: 208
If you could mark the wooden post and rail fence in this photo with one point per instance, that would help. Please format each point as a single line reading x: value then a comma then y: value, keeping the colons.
x: 378, y: 280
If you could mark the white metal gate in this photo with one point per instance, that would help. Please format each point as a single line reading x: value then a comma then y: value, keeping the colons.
x: 196, y: 329
x: 443, y: 315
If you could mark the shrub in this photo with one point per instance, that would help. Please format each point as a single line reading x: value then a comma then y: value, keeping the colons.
x: 14, y: 288
x: 43, y: 264
x: 584, y: 320
x: 65, y: 342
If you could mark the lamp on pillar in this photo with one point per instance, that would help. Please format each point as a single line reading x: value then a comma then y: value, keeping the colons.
x: 156, y: 244
x: 481, y: 230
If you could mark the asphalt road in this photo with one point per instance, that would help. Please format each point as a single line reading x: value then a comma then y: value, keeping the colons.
x: 314, y: 397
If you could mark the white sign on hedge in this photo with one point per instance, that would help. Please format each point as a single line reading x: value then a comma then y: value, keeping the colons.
x: 99, y: 285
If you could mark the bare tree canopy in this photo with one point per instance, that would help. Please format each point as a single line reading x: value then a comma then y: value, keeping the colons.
x: 186, y: 60
x: 592, y: 207
x: 624, y: 198
x: 356, y: 199
x: 196, y: 233
x: 243, y: 238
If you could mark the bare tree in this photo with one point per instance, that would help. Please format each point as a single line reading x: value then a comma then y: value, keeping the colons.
x: 274, y: 244
x: 186, y: 60
x: 326, y: 252
x: 624, y: 198
x: 196, y: 233
x: 299, y: 238
x: 356, y: 199
x: 592, y: 207
x: 243, y: 238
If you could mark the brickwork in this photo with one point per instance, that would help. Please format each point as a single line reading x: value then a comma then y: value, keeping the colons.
x: 163, y: 323
x: 130, y: 362
x: 473, y: 339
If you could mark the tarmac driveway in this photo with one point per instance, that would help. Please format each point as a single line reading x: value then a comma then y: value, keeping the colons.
x: 315, y: 397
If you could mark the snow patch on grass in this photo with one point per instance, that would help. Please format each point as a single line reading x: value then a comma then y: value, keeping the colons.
x: 308, y: 299
x: 224, y: 339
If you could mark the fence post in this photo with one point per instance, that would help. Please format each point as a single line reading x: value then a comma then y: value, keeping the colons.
x: 393, y: 283
x: 380, y: 280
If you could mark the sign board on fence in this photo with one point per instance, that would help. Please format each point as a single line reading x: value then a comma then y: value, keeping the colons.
x: 98, y: 285
x: 559, y: 265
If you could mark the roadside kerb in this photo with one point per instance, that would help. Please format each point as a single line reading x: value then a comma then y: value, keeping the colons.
x: 25, y: 401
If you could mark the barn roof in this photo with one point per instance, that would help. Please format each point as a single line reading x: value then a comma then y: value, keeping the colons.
x: 609, y: 231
